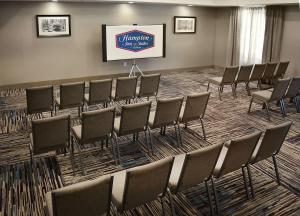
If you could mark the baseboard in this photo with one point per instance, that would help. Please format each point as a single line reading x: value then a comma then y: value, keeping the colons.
x: 99, y: 77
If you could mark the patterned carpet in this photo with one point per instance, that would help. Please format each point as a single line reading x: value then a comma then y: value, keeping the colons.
x: 22, y: 190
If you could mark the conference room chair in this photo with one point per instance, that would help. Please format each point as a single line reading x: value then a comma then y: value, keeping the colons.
x: 227, y: 79
x: 257, y: 73
x: 167, y: 114
x: 293, y: 92
x: 243, y: 77
x: 50, y: 134
x: 92, y: 198
x: 71, y: 95
x: 148, y: 86
x: 96, y: 126
x: 194, y: 109
x: 133, y: 119
x: 266, y: 97
x: 235, y: 154
x: 39, y: 100
x: 281, y: 69
x: 125, y: 89
x: 99, y: 92
x: 140, y: 185
x: 269, y: 147
x: 194, y: 168
x: 268, y: 77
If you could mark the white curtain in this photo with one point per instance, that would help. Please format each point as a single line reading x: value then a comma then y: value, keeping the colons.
x: 251, y: 34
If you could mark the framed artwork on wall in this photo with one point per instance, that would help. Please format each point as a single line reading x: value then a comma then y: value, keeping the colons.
x: 184, y: 25
x: 53, y: 25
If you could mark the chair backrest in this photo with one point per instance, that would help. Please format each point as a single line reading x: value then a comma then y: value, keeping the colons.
x: 100, y: 91
x: 97, y: 124
x: 272, y: 141
x: 198, y: 166
x: 72, y: 94
x: 91, y: 198
x: 270, y: 69
x: 244, y: 73
x: 282, y: 68
x: 145, y: 183
x: 126, y: 87
x: 134, y: 117
x: 39, y: 99
x: 280, y: 89
x: 195, y: 106
x: 149, y: 85
x: 294, y: 88
x: 239, y: 153
x: 167, y: 111
x: 50, y: 133
x: 230, y: 74
x: 258, y: 71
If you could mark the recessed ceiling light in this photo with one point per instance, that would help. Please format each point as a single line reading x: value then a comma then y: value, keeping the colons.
x: 190, y: 5
x: 131, y: 2
x: 54, y: 0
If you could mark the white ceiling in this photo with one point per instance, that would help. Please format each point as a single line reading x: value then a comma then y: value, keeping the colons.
x: 212, y: 3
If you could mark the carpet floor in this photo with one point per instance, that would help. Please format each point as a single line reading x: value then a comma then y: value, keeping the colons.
x: 23, y: 188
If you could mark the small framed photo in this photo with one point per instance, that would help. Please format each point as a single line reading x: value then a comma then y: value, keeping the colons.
x: 53, y: 25
x: 184, y: 25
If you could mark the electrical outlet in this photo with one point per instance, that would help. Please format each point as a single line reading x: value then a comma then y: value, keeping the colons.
x: 125, y: 63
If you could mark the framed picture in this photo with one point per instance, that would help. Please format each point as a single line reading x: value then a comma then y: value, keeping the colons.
x: 184, y: 25
x: 53, y: 25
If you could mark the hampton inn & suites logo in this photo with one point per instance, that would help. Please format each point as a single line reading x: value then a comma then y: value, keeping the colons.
x: 135, y: 41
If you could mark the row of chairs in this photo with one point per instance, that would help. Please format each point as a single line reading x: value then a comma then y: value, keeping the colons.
x: 72, y: 95
x: 134, y: 187
x: 283, y: 89
x: 249, y: 73
x: 53, y: 133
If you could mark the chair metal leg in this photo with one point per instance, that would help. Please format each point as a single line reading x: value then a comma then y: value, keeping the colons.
x: 268, y: 111
x: 251, y: 101
x: 248, y: 88
x: 208, y: 86
x: 245, y: 182
x: 147, y: 143
x: 72, y: 156
x: 212, y: 212
x: 220, y: 90
x: 177, y: 136
x: 250, y: 180
x: 150, y: 140
x: 118, y: 148
x: 80, y: 160
x: 162, y: 205
x: 171, y: 203
x: 282, y: 107
x: 276, y: 170
x: 114, y: 150
x: 233, y: 90
x: 203, y: 130
x: 215, y: 195
x: 185, y: 125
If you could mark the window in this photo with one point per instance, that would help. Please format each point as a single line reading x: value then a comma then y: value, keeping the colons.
x: 252, y: 32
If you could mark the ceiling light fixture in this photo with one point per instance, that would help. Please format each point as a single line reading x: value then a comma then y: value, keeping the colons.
x: 131, y: 2
x: 190, y: 5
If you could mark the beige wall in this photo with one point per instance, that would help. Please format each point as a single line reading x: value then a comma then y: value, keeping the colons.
x: 26, y: 58
x: 290, y: 49
x: 221, y: 37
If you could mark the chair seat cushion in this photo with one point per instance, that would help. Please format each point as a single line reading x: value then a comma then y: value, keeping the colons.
x: 117, y: 124
x: 57, y: 101
x: 86, y: 97
x: 216, y: 80
x: 151, y: 118
x: 49, y: 203
x: 118, y: 188
x: 176, y: 171
x: 264, y: 95
x: 77, y: 131
x: 220, y: 162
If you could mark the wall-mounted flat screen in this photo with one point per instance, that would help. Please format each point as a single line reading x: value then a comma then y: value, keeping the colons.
x: 133, y: 42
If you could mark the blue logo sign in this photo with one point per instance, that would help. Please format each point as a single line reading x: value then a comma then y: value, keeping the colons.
x: 134, y: 41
